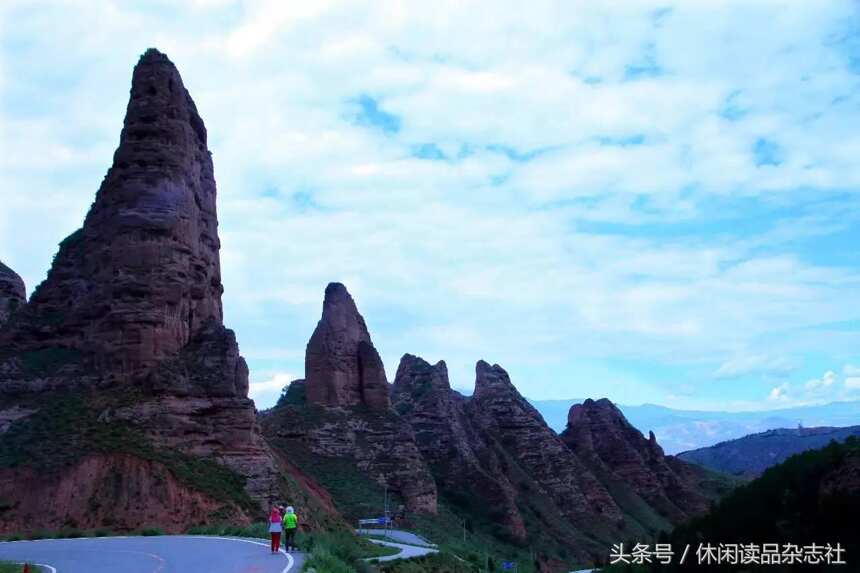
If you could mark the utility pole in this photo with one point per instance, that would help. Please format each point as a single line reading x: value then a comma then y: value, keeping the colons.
x: 464, y: 530
x: 386, y: 511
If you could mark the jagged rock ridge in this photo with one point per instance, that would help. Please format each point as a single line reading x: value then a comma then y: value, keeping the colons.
x: 598, y: 432
x: 462, y: 460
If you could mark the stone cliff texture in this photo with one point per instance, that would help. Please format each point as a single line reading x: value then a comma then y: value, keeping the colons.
x: 342, y: 368
x: 13, y: 295
x: 597, y: 431
x: 131, y: 306
x: 460, y: 457
x: 142, y: 276
x: 500, y: 410
x: 341, y: 410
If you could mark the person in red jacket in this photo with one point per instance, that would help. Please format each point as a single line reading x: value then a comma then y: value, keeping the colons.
x: 275, y: 528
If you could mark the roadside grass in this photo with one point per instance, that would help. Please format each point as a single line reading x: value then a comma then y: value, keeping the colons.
x: 340, y: 552
x: 436, y: 563
x: 9, y: 567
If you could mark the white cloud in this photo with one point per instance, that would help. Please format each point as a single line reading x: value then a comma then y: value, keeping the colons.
x: 779, y: 393
x: 851, y: 370
x: 533, y: 242
x: 265, y: 392
x: 822, y: 383
x: 746, y: 364
x: 852, y: 383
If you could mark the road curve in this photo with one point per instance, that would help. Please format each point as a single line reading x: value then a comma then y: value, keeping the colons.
x: 397, y: 536
x: 406, y: 551
x: 157, y: 554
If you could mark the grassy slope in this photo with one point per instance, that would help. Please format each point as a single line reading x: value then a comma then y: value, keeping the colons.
x: 785, y: 505
x: 66, y: 428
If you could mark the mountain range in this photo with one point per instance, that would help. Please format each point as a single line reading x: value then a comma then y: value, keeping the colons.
x: 751, y: 455
x: 124, y: 397
x: 680, y: 430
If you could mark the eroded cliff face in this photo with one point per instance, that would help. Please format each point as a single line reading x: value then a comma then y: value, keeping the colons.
x: 13, y: 295
x: 500, y: 410
x: 461, y: 458
x: 117, y: 491
x: 142, y: 276
x: 131, y: 308
x: 599, y: 432
x: 341, y: 411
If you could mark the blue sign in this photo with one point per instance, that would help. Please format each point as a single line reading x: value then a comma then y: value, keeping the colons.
x: 508, y: 565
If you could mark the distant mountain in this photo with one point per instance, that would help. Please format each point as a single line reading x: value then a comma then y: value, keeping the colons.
x: 681, y: 430
x: 751, y: 455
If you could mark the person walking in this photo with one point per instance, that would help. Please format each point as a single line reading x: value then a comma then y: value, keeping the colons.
x: 291, y: 523
x: 275, y: 528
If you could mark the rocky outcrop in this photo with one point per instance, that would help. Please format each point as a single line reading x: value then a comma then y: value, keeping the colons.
x: 13, y: 295
x: 341, y: 410
x: 597, y: 431
x: 131, y: 307
x: 142, y: 276
x: 460, y: 457
x: 500, y: 410
x: 342, y: 368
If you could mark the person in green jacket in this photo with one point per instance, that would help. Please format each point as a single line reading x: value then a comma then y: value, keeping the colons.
x: 291, y: 523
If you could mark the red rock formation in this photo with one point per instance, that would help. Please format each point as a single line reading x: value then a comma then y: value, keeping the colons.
x: 142, y: 276
x: 116, y: 491
x: 342, y: 408
x: 458, y: 454
x: 13, y: 295
x: 133, y: 299
x: 499, y: 409
x: 599, y: 432
x: 342, y: 368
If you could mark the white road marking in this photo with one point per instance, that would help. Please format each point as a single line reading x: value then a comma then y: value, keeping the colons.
x: 43, y: 565
x: 284, y: 553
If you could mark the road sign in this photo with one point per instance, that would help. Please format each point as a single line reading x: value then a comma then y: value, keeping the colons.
x: 509, y: 565
x: 375, y: 521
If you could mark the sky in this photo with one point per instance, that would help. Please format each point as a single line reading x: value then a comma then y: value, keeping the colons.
x: 649, y: 201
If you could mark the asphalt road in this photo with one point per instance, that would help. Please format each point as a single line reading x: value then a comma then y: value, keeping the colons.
x: 406, y: 551
x: 159, y: 554
x: 396, y: 535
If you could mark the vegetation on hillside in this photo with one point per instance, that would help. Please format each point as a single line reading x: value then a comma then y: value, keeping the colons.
x: 66, y: 428
x: 796, y: 502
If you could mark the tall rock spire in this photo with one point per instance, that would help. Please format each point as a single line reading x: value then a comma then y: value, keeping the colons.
x: 342, y: 367
x: 142, y: 276
x: 133, y: 298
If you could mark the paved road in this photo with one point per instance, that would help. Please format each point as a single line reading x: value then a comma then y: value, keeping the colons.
x: 406, y: 551
x: 397, y: 535
x: 158, y: 554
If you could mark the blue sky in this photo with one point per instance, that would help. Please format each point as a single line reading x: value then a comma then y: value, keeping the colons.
x: 650, y: 201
